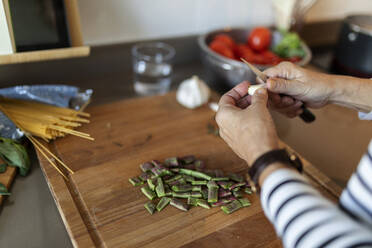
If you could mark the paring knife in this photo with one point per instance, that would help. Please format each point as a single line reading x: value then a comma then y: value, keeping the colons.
x: 307, y: 116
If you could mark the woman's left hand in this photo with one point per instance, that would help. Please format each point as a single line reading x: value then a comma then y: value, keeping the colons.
x: 246, y: 124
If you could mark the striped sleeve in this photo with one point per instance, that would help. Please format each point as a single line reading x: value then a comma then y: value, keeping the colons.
x: 304, y: 218
x: 365, y: 116
x: 356, y: 199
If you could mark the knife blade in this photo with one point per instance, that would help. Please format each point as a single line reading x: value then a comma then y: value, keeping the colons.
x: 307, y: 116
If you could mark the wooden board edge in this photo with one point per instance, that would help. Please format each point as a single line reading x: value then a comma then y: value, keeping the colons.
x: 84, y: 239
x: 10, y: 173
x: 319, y: 177
x: 45, y: 55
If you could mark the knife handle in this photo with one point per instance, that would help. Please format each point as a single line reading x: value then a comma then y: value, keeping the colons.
x: 307, y: 116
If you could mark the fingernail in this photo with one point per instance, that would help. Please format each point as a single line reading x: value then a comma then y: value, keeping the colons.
x: 299, y: 104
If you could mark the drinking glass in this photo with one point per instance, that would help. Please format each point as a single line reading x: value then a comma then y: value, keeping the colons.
x: 152, y: 68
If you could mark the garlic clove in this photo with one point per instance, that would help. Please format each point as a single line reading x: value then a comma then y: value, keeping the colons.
x: 252, y: 89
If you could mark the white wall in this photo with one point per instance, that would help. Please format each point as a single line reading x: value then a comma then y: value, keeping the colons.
x: 114, y: 21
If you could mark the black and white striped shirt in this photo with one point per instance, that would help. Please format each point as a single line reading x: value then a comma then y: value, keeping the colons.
x: 304, y: 218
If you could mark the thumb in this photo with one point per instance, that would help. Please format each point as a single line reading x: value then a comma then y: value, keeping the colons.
x: 284, y: 86
x: 259, y: 99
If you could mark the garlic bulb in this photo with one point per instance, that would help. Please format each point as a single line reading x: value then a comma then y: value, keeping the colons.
x: 193, y: 93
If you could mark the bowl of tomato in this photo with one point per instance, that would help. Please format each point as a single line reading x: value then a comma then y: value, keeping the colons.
x: 222, y: 50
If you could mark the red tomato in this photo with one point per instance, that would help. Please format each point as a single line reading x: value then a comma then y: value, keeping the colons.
x: 259, y: 39
x: 295, y: 59
x: 243, y: 51
x: 221, y: 48
x: 226, y: 39
x: 261, y: 59
x: 271, y: 57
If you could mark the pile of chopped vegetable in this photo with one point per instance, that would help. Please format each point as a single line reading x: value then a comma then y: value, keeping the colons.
x: 184, y: 183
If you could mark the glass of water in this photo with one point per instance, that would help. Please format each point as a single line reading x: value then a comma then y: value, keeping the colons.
x: 152, y: 68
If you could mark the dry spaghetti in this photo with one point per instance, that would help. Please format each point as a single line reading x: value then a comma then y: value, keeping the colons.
x: 45, y: 121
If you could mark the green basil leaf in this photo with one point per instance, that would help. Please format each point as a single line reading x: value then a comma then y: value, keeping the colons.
x: 3, y: 190
x: 2, y: 168
x: 15, y: 154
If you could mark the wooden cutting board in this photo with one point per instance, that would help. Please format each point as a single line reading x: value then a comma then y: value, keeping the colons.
x: 101, y: 208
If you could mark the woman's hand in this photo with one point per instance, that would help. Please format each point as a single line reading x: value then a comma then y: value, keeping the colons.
x: 246, y: 124
x: 300, y: 85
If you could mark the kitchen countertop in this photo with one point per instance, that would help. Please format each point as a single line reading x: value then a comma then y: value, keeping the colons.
x: 30, y: 218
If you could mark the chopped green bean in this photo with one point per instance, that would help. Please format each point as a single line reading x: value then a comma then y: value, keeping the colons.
x: 160, y: 191
x: 223, y: 193
x: 196, y: 194
x: 174, y: 178
x: 151, y: 182
x: 199, y: 165
x: 162, y: 203
x: 248, y: 190
x: 224, y: 184
x: 199, y: 182
x: 204, y: 192
x: 231, y: 207
x: 235, y: 177
x: 182, y: 188
x: 147, y: 166
x: 178, y: 182
x: 188, y: 159
x: 212, y: 194
x: 220, y: 179
x: 150, y: 207
x: 237, y: 185
x: 145, y: 175
x: 245, y: 202
x: 188, y: 179
x: 181, y: 195
x: 179, y: 204
x: 172, y: 162
x: 196, y: 174
x: 148, y: 193
x: 203, y: 203
x: 196, y: 188
x: 192, y: 201
x: 135, y: 181
x: 238, y: 194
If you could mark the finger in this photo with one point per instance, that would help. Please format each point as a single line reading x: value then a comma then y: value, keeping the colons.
x: 282, y: 102
x: 286, y: 101
x: 295, y: 114
x: 284, y: 86
x: 274, y: 98
x: 283, y: 70
x: 291, y: 111
x: 244, y: 102
x: 236, y: 93
x: 259, y: 99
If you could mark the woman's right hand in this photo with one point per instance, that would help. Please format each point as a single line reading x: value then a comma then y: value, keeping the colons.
x: 302, y: 86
